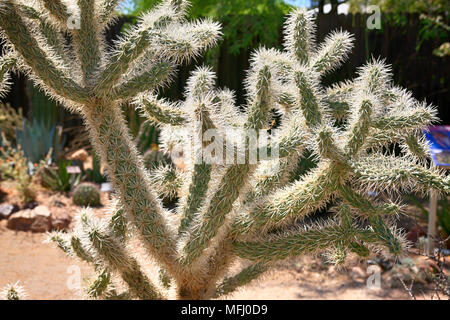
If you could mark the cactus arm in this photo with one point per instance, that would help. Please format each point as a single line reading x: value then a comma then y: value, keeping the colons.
x: 147, y: 80
x: 276, y: 173
x: 379, y: 232
x: 197, y: 191
x: 118, y: 221
x: 244, y: 277
x: 272, y: 176
x: 98, y: 287
x: 336, y: 106
x: 365, y: 207
x: 365, y: 105
x: 61, y: 241
x: 308, y: 241
x: 108, y: 249
x: 226, y: 106
x: 30, y: 12
x: 291, y: 138
x: 317, y: 239
x: 417, y: 146
x: 175, y: 43
x: 201, y: 175
x: 201, y: 82
x: 345, y: 215
x: 55, y: 41
x: 337, y: 99
x: 341, y: 90
x: 106, y: 10
x: 19, y: 35
x: 286, y: 99
x: 309, y: 96
x: 164, y: 279
x: 360, y: 126
x: 190, y: 41
x: 332, y: 52
x: 326, y: 145
x: 292, y: 202
x: 58, y: 10
x: 79, y: 249
x: 337, y: 109
x: 8, y: 62
x: 70, y: 245
x: 379, y: 139
x: 129, y: 49
x: 159, y: 111
x: 126, y: 171
x: 393, y: 173
x: 299, y: 35
x: 52, y: 35
x: 87, y: 40
x: 259, y: 111
x: 234, y: 178
x: 166, y: 181
x: 415, y: 119
x: 387, y: 236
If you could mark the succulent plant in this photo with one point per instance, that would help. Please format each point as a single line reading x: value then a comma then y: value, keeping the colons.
x: 249, y: 210
x: 86, y: 194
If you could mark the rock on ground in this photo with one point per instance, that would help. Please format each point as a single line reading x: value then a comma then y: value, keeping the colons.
x: 7, y: 209
x: 35, y: 220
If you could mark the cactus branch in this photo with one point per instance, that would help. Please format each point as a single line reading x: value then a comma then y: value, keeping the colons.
x: 125, y: 168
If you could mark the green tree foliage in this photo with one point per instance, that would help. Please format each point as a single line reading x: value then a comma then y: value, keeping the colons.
x: 401, y: 6
x: 434, y: 15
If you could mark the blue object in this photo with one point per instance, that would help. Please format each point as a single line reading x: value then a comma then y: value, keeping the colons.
x: 438, y: 138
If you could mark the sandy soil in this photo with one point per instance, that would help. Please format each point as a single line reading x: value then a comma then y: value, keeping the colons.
x: 46, y: 272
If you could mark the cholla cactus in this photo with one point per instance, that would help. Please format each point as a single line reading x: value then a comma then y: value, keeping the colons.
x: 227, y: 211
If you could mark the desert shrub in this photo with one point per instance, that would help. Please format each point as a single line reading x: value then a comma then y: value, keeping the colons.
x: 15, y: 166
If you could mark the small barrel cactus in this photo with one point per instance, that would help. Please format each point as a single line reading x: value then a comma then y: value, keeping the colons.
x: 86, y: 195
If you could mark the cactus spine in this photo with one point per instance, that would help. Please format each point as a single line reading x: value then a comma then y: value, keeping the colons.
x: 226, y: 211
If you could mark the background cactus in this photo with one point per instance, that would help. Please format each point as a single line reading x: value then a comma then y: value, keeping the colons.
x: 86, y: 194
x: 253, y: 211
